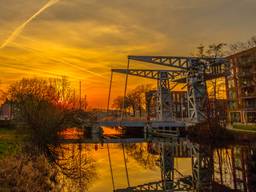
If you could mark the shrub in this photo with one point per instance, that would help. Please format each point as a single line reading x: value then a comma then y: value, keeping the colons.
x: 23, y: 173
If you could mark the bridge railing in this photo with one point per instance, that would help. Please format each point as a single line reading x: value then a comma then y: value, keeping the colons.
x: 138, y: 119
x: 119, y: 119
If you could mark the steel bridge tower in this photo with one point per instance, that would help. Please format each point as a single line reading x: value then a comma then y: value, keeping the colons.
x: 164, y: 102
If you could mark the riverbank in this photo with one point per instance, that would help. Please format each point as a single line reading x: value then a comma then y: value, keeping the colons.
x: 247, y: 128
x: 20, y: 171
x: 218, y: 135
x: 9, y: 141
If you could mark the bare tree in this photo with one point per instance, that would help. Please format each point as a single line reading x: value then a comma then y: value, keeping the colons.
x: 241, y: 46
x: 77, y: 167
x: 135, y: 100
x: 200, y: 51
x: 139, y: 97
x: 118, y: 103
x: 46, y: 106
x: 140, y: 152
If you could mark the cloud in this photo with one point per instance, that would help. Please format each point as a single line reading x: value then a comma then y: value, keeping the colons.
x: 84, y: 39
x: 20, y: 28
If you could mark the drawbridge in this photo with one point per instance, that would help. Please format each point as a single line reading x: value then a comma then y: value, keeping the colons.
x: 191, y: 72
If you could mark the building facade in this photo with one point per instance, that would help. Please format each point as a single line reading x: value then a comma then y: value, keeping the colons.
x: 6, y: 111
x: 241, y: 87
x: 179, y: 104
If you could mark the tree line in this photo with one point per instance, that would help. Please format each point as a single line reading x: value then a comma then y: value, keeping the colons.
x: 134, y: 101
x: 45, y: 107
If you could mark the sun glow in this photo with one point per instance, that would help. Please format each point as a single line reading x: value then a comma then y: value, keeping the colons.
x: 84, y: 40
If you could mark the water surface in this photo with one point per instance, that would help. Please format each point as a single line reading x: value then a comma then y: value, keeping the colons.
x: 122, y: 163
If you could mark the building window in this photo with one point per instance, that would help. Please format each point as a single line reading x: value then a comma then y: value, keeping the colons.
x: 250, y: 103
x: 235, y: 117
x: 232, y: 105
x: 251, y: 117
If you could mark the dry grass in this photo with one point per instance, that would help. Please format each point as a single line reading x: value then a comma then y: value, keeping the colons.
x: 22, y: 173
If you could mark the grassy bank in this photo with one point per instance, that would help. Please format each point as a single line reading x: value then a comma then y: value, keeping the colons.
x: 9, y: 141
x: 248, y: 127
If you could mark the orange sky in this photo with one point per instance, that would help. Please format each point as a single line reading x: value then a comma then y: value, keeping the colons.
x: 83, y: 40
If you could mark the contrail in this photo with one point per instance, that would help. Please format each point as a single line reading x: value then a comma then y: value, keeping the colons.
x: 19, y: 29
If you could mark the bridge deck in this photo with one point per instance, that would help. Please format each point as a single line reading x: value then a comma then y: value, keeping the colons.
x: 102, y: 140
x: 141, y: 123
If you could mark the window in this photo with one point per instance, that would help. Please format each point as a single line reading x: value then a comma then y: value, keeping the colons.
x: 235, y: 117
x: 250, y: 103
x: 232, y: 104
x: 251, y: 117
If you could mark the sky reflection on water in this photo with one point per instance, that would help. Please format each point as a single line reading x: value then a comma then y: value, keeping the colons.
x: 226, y: 168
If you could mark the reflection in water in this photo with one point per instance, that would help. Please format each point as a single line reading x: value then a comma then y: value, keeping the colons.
x: 71, y: 133
x: 142, y: 153
x: 235, y: 167
x: 156, y: 164
x: 77, y: 167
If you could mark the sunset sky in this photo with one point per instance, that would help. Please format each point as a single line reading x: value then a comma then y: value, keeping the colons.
x: 84, y: 39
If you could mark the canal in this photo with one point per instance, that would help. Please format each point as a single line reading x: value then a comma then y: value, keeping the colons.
x: 119, y: 162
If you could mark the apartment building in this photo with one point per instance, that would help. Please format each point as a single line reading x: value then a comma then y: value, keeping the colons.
x: 241, y: 87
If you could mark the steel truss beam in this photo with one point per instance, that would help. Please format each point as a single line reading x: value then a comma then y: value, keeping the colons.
x: 151, y: 74
x: 181, y: 62
x: 178, y: 62
x: 157, y: 187
x: 210, y: 73
x: 213, y: 67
